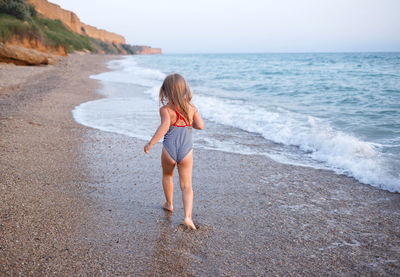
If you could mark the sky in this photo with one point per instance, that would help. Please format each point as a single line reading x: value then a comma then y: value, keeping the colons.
x: 251, y: 26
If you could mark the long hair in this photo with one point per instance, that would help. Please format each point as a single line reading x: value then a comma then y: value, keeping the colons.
x: 175, y: 89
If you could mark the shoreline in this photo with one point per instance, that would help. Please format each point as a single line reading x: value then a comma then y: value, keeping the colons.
x: 291, y: 136
x: 76, y: 200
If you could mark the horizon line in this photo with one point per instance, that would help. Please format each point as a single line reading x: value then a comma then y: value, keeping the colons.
x: 287, y: 52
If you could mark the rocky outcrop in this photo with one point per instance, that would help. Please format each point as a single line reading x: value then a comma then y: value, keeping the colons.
x: 140, y: 50
x: 147, y: 50
x: 36, y: 44
x: 24, y: 56
x: 71, y: 20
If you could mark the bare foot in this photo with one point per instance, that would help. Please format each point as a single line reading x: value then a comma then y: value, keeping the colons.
x: 167, y: 207
x: 189, y: 223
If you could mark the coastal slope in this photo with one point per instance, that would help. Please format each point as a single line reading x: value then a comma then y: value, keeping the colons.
x: 33, y: 26
x: 72, y: 21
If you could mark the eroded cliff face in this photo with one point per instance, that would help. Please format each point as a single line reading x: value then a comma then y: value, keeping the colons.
x: 35, y: 44
x: 71, y: 20
x: 33, y: 50
x: 20, y: 55
x: 29, y: 51
x: 147, y: 50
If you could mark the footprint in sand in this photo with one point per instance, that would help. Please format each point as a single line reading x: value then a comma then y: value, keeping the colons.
x: 184, y: 228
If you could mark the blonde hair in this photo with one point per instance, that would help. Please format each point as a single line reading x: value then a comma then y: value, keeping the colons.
x: 175, y: 89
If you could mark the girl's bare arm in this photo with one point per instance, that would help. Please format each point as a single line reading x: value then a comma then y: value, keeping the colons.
x: 197, y: 121
x: 161, y: 130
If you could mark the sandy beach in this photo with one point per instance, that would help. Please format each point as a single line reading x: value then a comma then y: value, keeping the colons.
x: 79, y: 201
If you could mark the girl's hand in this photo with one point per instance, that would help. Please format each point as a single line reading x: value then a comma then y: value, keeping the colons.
x: 147, y: 147
x: 161, y: 130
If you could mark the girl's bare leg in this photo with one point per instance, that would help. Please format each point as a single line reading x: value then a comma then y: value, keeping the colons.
x: 168, y: 165
x: 185, y: 180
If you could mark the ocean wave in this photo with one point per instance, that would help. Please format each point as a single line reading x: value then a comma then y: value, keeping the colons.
x: 129, y: 72
x: 315, y: 138
x: 341, y: 152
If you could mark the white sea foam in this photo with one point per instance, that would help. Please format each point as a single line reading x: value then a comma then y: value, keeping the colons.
x: 339, y: 151
x: 127, y: 71
x: 317, y: 140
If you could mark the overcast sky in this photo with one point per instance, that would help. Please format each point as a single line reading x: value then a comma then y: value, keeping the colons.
x: 206, y: 26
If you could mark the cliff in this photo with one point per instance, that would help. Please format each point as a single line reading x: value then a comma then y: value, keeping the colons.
x: 71, y: 20
x: 44, y: 27
x: 141, y: 50
x: 147, y: 50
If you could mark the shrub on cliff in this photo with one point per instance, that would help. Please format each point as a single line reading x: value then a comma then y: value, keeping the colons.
x: 12, y: 27
x: 55, y: 33
x: 104, y: 47
x: 130, y: 49
x: 17, y: 8
x: 18, y: 21
x: 49, y: 32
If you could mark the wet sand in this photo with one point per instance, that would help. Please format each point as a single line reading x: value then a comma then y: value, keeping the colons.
x: 78, y: 201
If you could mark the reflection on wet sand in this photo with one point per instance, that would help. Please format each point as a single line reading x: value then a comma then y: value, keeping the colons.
x: 263, y: 218
x: 170, y: 249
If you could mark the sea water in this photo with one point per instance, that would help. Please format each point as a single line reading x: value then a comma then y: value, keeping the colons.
x: 336, y: 111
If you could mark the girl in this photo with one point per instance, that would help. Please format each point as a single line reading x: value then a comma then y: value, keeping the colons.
x: 178, y: 116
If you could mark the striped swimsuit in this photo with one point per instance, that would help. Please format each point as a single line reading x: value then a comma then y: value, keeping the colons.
x: 178, y: 139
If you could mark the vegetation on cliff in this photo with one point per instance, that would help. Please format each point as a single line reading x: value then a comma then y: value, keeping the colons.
x: 21, y: 24
x: 19, y: 21
x: 17, y: 8
x: 48, y: 32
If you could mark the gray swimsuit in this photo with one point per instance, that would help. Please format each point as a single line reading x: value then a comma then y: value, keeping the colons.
x: 178, y: 139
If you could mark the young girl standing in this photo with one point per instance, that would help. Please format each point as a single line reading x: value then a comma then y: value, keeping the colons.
x: 178, y: 116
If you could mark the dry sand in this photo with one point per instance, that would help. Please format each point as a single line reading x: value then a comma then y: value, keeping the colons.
x: 78, y: 201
